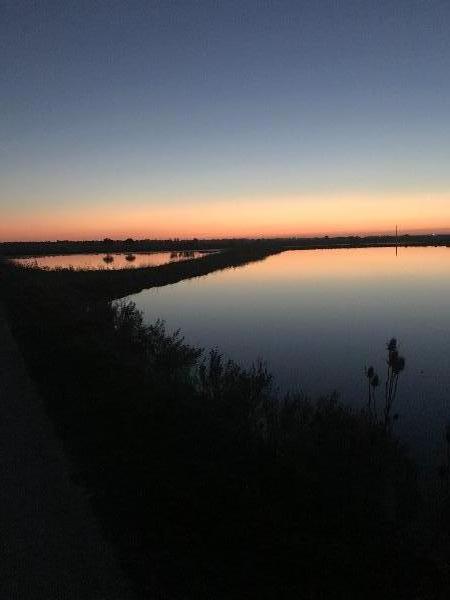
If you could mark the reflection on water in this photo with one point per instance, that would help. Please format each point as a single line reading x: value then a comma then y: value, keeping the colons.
x: 319, y: 317
x: 106, y: 261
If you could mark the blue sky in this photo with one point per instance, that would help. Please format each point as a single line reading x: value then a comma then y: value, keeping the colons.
x: 160, y: 106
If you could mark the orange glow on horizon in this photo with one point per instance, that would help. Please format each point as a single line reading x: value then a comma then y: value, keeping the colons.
x: 234, y: 218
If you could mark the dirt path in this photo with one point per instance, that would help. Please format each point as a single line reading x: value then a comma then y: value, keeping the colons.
x: 50, y: 545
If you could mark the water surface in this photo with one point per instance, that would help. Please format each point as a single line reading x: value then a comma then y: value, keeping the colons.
x: 106, y: 261
x: 319, y: 317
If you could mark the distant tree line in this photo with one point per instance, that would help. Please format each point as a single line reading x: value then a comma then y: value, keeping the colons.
x: 107, y: 245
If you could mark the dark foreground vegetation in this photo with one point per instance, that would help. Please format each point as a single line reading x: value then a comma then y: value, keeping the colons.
x: 207, y: 484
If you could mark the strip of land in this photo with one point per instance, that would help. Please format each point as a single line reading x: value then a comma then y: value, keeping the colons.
x: 110, y: 284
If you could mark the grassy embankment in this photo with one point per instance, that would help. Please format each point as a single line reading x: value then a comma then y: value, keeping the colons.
x: 109, y: 284
x: 208, y: 485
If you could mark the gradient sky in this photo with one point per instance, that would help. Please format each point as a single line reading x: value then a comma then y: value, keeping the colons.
x: 223, y: 118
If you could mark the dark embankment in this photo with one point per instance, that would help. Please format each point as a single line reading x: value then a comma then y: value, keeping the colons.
x: 207, y: 484
x: 109, y: 284
x: 50, y: 543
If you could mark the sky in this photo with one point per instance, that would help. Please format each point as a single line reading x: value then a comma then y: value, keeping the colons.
x: 161, y: 119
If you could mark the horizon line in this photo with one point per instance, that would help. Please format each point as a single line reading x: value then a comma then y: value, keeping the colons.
x: 391, y: 233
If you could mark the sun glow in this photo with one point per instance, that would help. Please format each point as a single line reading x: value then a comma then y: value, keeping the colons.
x: 293, y: 216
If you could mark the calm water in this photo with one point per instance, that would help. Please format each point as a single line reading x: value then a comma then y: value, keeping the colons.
x: 319, y: 317
x: 106, y: 261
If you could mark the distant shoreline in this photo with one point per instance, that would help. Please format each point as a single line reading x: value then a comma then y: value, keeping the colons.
x: 47, y: 248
